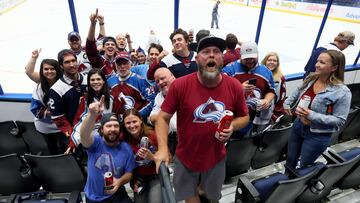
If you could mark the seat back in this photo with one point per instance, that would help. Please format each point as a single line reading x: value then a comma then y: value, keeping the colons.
x: 35, y: 141
x: 337, y: 136
x: 355, y: 92
x: 271, y: 147
x: 328, y: 176
x: 57, y: 173
x: 352, y: 130
x: 352, y: 177
x: 10, y: 139
x: 11, y: 179
x: 239, y: 153
x: 286, y: 191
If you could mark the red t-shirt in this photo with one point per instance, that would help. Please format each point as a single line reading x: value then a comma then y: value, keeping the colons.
x: 231, y: 55
x: 149, y: 168
x: 199, y: 110
x: 310, y: 92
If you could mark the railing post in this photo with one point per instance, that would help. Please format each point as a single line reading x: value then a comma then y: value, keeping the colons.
x: 73, y: 15
x: 166, y: 188
x: 322, y: 24
x: 176, y: 14
x: 262, y: 11
x: 357, y: 58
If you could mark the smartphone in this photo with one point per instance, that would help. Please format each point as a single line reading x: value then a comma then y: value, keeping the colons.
x: 252, y: 81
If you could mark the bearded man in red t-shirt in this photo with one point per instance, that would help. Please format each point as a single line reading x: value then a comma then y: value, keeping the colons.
x: 200, y: 99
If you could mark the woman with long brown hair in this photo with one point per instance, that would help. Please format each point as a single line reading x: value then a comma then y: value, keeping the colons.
x: 321, y: 105
x: 142, y: 139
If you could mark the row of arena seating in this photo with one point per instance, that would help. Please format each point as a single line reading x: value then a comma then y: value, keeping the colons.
x: 22, y: 176
x: 312, y: 184
x: 28, y: 173
x: 36, y: 179
x: 21, y: 137
x: 257, y: 151
x: 270, y: 146
x: 339, y: 171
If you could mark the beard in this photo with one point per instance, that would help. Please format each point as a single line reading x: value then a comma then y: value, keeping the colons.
x: 111, y: 139
x: 209, y: 74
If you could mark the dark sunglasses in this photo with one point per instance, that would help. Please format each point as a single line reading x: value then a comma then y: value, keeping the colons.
x: 74, y: 39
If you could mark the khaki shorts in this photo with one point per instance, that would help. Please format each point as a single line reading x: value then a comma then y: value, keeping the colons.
x: 186, y: 181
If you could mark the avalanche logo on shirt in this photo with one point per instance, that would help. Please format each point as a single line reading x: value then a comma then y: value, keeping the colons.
x: 104, y: 163
x: 129, y: 102
x: 210, y: 111
x: 252, y: 98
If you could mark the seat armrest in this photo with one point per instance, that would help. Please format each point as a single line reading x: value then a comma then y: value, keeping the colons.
x: 74, y: 197
x: 337, y: 156
x: 245, y: 191
x: 331, y: 158
x: 291, y: 173
x: 10, y: 198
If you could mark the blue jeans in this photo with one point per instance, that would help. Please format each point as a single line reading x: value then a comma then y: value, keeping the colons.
x: 214, y: 20
x: 305, y: 144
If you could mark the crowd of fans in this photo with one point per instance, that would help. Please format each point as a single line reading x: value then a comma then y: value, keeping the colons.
x: 103, y: 98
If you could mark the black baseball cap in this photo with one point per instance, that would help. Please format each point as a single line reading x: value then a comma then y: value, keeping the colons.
x: 108, y: 117
x: 211, y: 41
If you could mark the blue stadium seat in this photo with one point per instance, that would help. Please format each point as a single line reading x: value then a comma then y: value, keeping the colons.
x: 278, y: 187
x: 352, y: 177
x: 324, y: 181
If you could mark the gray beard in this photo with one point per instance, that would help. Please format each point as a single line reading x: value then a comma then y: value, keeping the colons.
x: 210, y: 75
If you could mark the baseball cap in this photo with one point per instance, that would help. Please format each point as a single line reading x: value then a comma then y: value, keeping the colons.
x: 201, y: 34
x: 73, y: 35
x: 347, y: 36
x: 122, y: 55
x: 211, y: 40
x: 108, y: 117
x: 140, y: 50
x: 249, y: 50
x: 106, y: 39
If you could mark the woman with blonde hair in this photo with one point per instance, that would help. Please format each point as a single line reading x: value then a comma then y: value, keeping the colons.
x: 321, y: 105
x: 272, y: 62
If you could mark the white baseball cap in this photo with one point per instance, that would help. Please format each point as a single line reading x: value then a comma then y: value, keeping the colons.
x: 249, y: 50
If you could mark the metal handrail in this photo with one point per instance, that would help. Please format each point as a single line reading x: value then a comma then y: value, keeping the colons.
x: 166, y: 188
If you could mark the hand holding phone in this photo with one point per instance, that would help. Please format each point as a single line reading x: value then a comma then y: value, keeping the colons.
x: 252, y: 81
